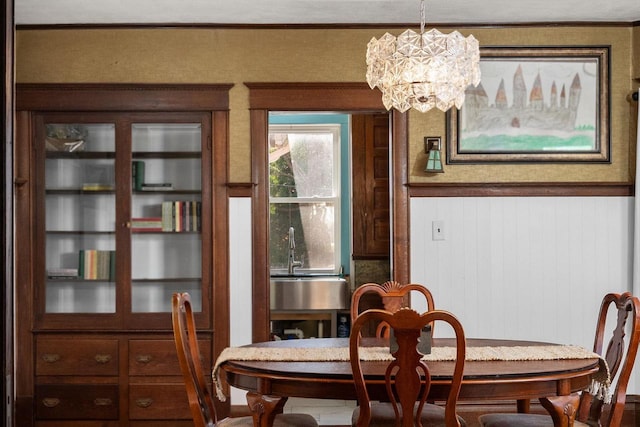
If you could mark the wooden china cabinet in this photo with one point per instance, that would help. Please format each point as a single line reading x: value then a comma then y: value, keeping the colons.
x: 118, y: 205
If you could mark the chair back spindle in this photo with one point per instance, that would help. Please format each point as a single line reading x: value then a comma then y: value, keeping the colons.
x: 620, y: 355
x: 186, y: 340
x: 407, y: 377
x: 394, y: 297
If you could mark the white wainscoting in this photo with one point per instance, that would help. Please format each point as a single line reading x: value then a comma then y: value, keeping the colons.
x: 240, y: 289
x: 524, y: 267
x: 509, y: 267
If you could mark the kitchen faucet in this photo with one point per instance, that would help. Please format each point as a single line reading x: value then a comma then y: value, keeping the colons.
x: 292, y: 263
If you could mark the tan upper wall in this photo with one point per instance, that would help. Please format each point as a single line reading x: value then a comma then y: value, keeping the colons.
x: 187, y: 55
x: 636, y: 53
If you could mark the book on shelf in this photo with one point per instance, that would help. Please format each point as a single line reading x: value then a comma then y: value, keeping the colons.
x: 181, y: 215
x: 137, y: 174
x: 146, y: 224
x: 62, y: 273
x: 95, y: 186
x: 167, y: 216
x: 178, y: 221
x: 94, y: 264
x: 160, y: 186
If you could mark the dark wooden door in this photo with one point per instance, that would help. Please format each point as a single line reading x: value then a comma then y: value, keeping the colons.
x: 370, y: 180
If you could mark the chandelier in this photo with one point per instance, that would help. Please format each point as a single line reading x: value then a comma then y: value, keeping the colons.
x: 423, y: 70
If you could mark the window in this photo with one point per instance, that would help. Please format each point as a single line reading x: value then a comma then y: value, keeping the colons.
x: 304, y: 194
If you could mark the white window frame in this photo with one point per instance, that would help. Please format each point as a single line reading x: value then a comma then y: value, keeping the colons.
x: 321, y: 128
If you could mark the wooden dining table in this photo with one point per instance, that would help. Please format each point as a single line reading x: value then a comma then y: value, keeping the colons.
x: 270, y: 382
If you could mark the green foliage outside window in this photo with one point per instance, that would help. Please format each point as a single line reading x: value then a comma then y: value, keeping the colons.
x: 284, y: 215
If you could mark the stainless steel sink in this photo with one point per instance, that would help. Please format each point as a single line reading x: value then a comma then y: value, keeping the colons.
x: 309, y: 293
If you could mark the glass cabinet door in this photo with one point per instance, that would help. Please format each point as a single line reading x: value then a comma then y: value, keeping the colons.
x: 166, y: 214
x: 79, y: 214
x: 117, y: 192
x: 122, y: 214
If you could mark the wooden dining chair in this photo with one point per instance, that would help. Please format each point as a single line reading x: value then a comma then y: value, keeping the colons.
x: 407, y: 377
x: 394, y: 296
x: 200, y: 398
x: 584, y: 409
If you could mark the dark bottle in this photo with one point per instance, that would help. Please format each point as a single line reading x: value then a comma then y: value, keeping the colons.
x: 343, y: 327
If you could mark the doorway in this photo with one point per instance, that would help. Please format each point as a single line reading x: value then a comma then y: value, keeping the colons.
x: 342, y: 97
x: 328, y: 216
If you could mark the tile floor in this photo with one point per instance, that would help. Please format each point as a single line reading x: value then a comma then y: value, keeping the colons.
x: 326, y: 412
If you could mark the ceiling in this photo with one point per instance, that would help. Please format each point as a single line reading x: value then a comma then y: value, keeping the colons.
x: 487, y: 12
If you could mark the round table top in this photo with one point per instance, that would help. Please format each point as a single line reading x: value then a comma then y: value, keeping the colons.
x: 515, y: 379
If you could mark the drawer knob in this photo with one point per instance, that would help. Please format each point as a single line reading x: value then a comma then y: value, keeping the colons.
x: 144, y: 402
x: 50, y: 357
x: 50, y: 402
x: 144, y: 358
x: 103, y: 358
x: 102, y: 401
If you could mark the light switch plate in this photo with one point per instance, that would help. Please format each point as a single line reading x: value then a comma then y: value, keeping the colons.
x: 437, y: 230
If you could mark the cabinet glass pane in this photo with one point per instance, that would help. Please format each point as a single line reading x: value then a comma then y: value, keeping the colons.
x: 151, y: 296
x: 166, y: 137
x: 166, y: 244
x: 80, y: 218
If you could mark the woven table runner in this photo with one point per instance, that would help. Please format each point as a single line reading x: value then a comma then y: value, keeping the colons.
x: 341, y: 354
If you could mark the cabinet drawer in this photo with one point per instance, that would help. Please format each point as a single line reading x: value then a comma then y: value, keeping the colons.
x: 158, y: 402
x: 77, y: 401
x: 76, y: 357
x: 159, y: 357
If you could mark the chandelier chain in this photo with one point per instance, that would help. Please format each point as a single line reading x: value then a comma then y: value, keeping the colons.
x: 422, y: 16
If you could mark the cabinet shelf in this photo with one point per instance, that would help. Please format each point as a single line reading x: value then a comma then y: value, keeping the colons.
x: 163, y: 232
x: 166, y: 155
x: 76, y: 232
x: 81, y: 155
x: 167, y: 279
x: 77, y: 191
x: 152, y: 192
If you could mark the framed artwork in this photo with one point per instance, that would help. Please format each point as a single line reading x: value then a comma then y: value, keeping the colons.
x: 534, y: 104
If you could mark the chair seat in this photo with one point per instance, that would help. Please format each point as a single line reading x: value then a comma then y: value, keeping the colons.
x: 382, y: 415
x: 282, y: 420
x: 520, y: 420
